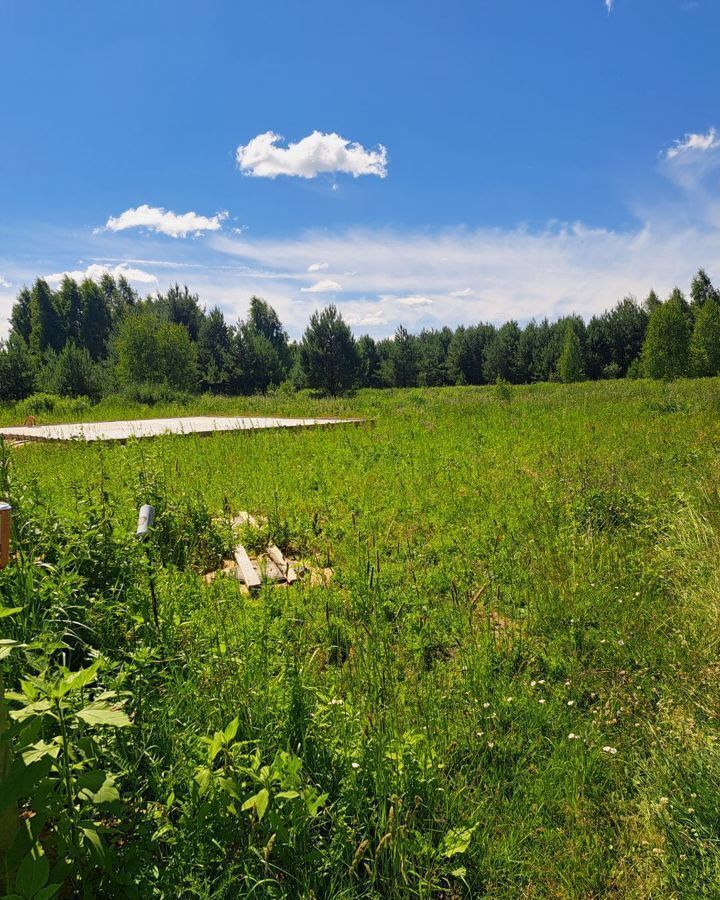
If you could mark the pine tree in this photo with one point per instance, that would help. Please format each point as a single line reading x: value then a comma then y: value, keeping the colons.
x: 570, y: 364
x: 69, y: 303
x: 17, y: 371
x: 328, y: 353
x: 404, y: 359
x: 213, y: 346
x: 705, y: 340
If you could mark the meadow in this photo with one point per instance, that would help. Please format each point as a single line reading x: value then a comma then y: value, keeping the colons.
x: 508, y: 688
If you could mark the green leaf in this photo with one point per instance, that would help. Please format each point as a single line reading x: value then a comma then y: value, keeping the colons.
x: 93, y: 839
x: 51, y: 890
x: 258, y: 802
x: 231, y: 730
x: 216, y: 745
x: 287, y: 795
x: 77, y: 680
x: 315, y: 804
x: 10, y: 610
x: 7, y: 646
x: 101, y: 713
x: 39, y: 751
x: 97, y: 787
x: 20, y: 780
x: 32, y: 875
x: 456, y: 841
x: 202, y: 779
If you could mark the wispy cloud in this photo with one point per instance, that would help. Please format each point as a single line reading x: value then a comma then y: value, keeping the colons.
x: 465, y: 292
x: 161, y: 221
x: 325, y: 286
x: 317, y: 267
x: 4, y: 283
x: 314, y: 155
x: 609, y: 5
x: 95, y: 272
x: 415, y: 300
x: 694, y: 143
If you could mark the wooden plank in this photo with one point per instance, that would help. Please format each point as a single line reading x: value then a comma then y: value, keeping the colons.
x: 276, y: 556
x: 245, y: 569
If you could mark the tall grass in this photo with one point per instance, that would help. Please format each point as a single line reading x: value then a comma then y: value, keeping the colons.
x: 508, y: 688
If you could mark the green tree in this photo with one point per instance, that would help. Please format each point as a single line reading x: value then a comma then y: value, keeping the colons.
x: 702, y: 290
x: 705, y: 340
x: 71, y: 373
x: 213, y: 347
x: 17, y: 371
x: 96, y: 319
x: 21, y: 315
x: 665, y: 352
x: 369, y: 362
x: 152, y: 352
x: 328, y: 353
x: 263, y: 320
x: 651, y: 303
x: 404, y: 359
x: 70, y: 306
x: 501, y: 355
x: 46, y: 331
x: 570, y: 364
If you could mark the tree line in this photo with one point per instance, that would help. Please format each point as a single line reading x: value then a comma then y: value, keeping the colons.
x: 98, y: 338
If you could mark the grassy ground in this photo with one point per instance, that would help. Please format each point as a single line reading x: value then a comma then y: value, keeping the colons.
x: 509, y: 688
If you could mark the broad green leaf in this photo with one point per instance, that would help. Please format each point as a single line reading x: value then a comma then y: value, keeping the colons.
x: 287, y: 795
x: 48, y: 892
x: 258, y: 802
x: 314, y: 805
x: 98, y: 787
x: 202, y: 779
x: 39, y: 751
x: 101, y: 713
x: 7, y: 646
x: 456, y: 841
x: 77, y: 680
x: 216, y: 745
x: 21, y: 780
x: 231, y: 730
x: 33, y: 874
x: 10, y: 610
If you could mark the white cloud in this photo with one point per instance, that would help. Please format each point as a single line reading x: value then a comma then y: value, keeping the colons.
x: 695, y: 142
x: 609, y: 5
x: 4, y: 283
x: 95, y: 272
x: 326, y: 286
x: 317, y: 267
x: 314, y: 155
x: 465, y: 292
x: 415, y: 301
x: 162, y: 221
x: 366, y: 320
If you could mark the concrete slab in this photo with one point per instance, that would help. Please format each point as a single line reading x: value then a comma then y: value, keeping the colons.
x: 147, y: 428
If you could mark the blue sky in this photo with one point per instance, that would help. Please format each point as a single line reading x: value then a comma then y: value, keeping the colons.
x: 419, y: 162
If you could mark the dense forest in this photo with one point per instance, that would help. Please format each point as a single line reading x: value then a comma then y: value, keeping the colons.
x: 96, y: 339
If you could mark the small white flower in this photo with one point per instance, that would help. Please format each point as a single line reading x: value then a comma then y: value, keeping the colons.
x: 541, y: 700
x: 611, y: 750
x: 508, y: 699
x: 486, y: 705
x: 621, y: 643
x: 533, y: 683
x: 573, y: 737
x: 355, y: 765
x: 571, y: 703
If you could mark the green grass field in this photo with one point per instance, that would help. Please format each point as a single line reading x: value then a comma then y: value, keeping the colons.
x: 508, y: 689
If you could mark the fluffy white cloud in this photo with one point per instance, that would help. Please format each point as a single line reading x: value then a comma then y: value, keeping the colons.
x: 465, y: 292
x: 317, y: 267
x: 155, y: 218
x: 95, y: 272
x: 314, y: 155
x: 695, y: 142
x: 326, y: 286
x: 4, y: 283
